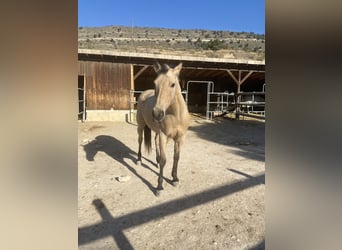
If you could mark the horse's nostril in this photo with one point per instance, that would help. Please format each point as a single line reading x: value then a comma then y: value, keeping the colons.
x: 161, y: 115
x: 158, y: 114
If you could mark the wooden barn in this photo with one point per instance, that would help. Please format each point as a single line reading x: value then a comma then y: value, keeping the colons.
x: 110, y: 81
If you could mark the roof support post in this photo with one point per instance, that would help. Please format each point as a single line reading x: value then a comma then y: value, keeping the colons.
x: 238, y: 82
x: 237, y: 113
x: 131, y: 95
x: 132, y: 76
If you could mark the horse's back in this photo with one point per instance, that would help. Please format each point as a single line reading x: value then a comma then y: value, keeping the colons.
x: 144, y: 96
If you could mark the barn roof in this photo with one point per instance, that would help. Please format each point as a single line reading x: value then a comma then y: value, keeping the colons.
x: 199, y: 66
x: 188, y: 61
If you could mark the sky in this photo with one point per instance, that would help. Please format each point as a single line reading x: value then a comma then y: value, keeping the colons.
x: 226, y: 15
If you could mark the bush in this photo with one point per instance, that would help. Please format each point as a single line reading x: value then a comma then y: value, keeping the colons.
x: 215, y: 45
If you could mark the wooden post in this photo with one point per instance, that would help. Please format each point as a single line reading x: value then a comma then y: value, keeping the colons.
x: 237, y: 113
x: 84, y: 98
x: 238, y: 82
x: 132, y: 77
x: 131, y: 94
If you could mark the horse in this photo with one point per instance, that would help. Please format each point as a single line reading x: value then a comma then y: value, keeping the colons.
x: 164, y: 111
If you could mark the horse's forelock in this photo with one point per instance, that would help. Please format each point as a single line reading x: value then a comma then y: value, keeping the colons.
x: 164, y: 69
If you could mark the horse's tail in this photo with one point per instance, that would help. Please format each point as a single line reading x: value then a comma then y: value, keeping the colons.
x: 147, y: 139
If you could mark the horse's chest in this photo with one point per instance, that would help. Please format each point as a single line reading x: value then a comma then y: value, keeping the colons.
x: 174, y: 131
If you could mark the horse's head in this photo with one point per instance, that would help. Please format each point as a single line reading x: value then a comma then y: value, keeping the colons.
x: 166, y: 87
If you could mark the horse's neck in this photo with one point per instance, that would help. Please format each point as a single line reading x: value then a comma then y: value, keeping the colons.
x: 179, y: 106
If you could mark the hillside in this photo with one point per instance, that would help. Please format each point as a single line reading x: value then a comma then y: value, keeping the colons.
x: 196, y: 42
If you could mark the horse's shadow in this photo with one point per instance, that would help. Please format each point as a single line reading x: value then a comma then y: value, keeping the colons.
x: 119, y: 152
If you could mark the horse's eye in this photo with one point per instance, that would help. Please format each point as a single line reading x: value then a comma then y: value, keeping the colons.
x: 173, y: 85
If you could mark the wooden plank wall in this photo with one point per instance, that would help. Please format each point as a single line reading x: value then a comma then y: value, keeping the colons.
x: 108, y: 84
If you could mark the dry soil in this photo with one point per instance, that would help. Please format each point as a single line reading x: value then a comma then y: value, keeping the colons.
x: 219, y: 203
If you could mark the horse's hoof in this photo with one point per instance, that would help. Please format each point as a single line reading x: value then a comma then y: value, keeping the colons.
x: 158, y: 192
x: 175, y: 183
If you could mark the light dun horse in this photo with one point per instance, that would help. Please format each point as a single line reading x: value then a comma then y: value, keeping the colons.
x: 164, y: 111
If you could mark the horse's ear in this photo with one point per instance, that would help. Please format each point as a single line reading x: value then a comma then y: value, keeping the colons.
x: 177, y: 69
x: 157, y: 67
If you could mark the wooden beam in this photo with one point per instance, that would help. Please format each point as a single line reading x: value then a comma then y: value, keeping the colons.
x: 140, y: 72
x: 232, y: 76
x: 239, y: 81
x: 246, y: 76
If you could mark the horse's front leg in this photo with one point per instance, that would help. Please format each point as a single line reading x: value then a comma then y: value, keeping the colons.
x: 178, y: 143
x: 156, y: 140
x: 162, y: 161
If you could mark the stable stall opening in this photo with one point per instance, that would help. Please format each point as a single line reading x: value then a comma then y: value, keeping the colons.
x: 253, y: 85
x: 197, y: 92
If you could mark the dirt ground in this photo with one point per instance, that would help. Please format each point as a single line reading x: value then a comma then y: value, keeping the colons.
x: 218, y: 204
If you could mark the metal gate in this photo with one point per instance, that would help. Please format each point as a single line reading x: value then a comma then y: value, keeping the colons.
x: 251, y: 104
x: 217, y: 103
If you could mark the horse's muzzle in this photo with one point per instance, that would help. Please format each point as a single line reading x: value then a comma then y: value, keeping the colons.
x: 158, y: 114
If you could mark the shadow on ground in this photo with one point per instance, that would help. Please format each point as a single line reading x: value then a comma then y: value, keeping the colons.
x: 247, y: 136
x: 120, y: 152
x: 115, y: 226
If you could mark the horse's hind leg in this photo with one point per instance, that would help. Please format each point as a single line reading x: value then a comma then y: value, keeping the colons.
x: 140, y: 139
